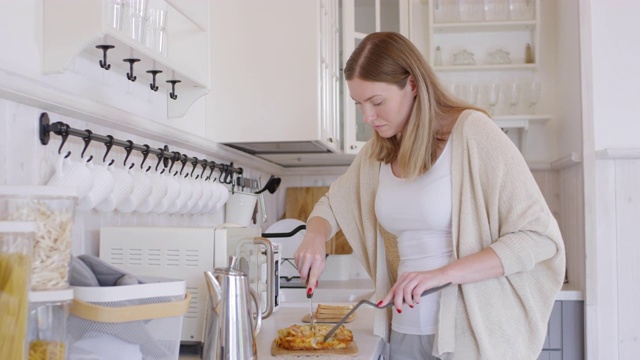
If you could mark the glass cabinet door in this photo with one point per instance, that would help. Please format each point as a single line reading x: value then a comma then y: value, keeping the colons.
x: 360, y: 18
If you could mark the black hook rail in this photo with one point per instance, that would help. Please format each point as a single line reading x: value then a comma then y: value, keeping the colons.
x: 163, y: 154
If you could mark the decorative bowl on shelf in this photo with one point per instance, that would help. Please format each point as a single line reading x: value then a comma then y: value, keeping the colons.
x: 463, y: 57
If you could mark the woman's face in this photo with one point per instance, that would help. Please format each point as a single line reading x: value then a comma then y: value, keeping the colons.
x: 385, y: 107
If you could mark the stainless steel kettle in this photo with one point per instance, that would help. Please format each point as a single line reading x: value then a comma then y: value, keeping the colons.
x: 231, y: 329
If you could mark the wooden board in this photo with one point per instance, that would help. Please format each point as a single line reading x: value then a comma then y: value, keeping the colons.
x: 299, y: 202
x: 350, y: 350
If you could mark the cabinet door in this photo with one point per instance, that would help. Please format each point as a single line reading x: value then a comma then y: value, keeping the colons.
x: 268, y: 84
x: 360, y: 18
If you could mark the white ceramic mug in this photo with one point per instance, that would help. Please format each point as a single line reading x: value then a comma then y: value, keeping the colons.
x: 196, y: 194
x: 103, y: 182
x: 122, y: 187
x: 158, y: 192
x: 74, y: 174
x: 173, y: 192
x: 141, y: 191
x: 198, y: 202
x: 185, y: 195
x: 208, y: 194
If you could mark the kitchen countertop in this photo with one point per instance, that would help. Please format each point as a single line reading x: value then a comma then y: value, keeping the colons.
x: 294, y: 308
x: 369, y: 345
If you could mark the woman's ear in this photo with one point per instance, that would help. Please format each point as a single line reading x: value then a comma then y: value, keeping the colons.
x: 414, y: 87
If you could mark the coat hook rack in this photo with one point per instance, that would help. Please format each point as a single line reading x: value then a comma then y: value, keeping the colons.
x: 173, y: 94
x: 153, y: 73
x: 130, y: 73
x: 103, y: 62
x: 164, y: 155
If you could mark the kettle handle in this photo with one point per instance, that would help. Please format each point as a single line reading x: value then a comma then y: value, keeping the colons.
x: 270, y: 286
x: 258, y: 321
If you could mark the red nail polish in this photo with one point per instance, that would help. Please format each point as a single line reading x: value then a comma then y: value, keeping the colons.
x: 399, y: 311
x: 411, y: 306
x: 309, y: 291
x: 380, y: 303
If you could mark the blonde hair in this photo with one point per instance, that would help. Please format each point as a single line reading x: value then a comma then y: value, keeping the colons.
x: 391, y: 58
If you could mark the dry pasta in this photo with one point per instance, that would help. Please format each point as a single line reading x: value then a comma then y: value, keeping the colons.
x: 51, y: 246
x: 14, y: 302
x: 46, y: 350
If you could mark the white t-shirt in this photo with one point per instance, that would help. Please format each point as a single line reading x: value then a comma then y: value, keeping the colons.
x: 418, y: 212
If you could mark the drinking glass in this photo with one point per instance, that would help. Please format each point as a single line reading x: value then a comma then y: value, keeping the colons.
x: 514, y: 97
x: 493, y: 97
x: 156, y: 30
x: 533, y: 95
x: 115, y: 13
x: 472, y: 94
x: 137, y: 13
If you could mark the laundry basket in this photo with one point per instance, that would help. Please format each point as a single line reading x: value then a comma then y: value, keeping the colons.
x: 132, y: 322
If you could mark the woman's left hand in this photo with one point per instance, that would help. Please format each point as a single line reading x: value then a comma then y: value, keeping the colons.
x: 410, y: 286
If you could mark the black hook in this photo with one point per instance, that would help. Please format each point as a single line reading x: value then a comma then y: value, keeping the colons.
x: 68, y: 154
x: 64, y: 134
x: 90, y: 158
x: 128, y: 149
x: 130, y: 73
x: 153, y: 73
x: 111, y: 162
x: 183, y: 160
x: 103, y: 62
x: 131, y: 166
x: 228, y: 176
x: 145, y: 153
x: 87, y: 141
x: 204, y: 167
x: 173, y: 94
x: 109, y: 145
x: 223, y: 171
x: 160, y: 158
x: 176, y: 156
x: 195, y: 164
x: 212, y: 165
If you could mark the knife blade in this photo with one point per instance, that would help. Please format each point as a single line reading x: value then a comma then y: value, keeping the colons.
x: 342, y: 321
x: 312, y: 322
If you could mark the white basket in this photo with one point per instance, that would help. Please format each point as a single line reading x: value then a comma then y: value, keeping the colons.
x: 134, y: 322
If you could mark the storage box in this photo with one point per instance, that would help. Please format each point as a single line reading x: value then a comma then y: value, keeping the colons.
x: 15, y: 265
x: 132, y: 322
x: 52, y: 209
x: 47, y: 326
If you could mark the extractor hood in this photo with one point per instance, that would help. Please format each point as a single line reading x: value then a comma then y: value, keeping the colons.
x: 294, y: 154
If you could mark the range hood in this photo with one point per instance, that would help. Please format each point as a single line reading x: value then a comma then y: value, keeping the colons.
x: 280, y: 147
x: 294, y: 154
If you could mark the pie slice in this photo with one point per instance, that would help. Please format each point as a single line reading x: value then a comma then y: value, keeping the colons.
x: 302, y: 337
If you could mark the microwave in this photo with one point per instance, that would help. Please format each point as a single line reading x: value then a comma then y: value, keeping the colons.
x: 186, y: 253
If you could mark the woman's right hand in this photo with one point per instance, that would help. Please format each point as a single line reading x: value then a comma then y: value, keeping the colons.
x: 310, y: 255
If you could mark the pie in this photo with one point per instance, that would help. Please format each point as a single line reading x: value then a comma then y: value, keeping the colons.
x: 301, y: 337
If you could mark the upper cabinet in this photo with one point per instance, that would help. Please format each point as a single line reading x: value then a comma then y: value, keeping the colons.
x: 275, y: 76
x: 360, y: 18
x: 488, y: 53
x: 167, y: 42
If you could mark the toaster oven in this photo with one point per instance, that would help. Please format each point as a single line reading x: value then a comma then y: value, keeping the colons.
x: 186, y: 253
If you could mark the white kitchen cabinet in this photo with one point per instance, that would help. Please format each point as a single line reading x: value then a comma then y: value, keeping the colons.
x: 565, y: 334
x: 275, y: 76
x: 473, y: 44
x: 359, y: 19
x: 74, y: 28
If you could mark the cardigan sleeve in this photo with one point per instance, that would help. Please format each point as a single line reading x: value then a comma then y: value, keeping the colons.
x: 523, y: 230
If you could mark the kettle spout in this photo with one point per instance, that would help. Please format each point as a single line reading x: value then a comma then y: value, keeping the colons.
x: 215, y: 291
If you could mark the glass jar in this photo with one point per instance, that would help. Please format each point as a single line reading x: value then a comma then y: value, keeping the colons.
x: 15, y: 266
x: 52, y: 209
x: 47, y: 326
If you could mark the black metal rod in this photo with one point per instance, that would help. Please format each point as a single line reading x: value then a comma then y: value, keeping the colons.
x: 60, y: 128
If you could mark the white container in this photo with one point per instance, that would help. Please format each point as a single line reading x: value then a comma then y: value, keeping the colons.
x: 15, y: 264
x: 47, y: 327
x: 132, y: 322
x: 52, y: 209
x: 240, y: 208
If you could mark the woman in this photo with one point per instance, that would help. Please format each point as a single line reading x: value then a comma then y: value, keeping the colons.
x: 439, y: 195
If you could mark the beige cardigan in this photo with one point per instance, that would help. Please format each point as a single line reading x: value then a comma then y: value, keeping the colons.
x: 497, y: 204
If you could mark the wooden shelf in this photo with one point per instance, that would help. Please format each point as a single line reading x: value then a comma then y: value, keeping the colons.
x: 66, y: 34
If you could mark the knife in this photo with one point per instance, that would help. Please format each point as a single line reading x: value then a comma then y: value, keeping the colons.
x: 333, y: 329
x: 312, y: 322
